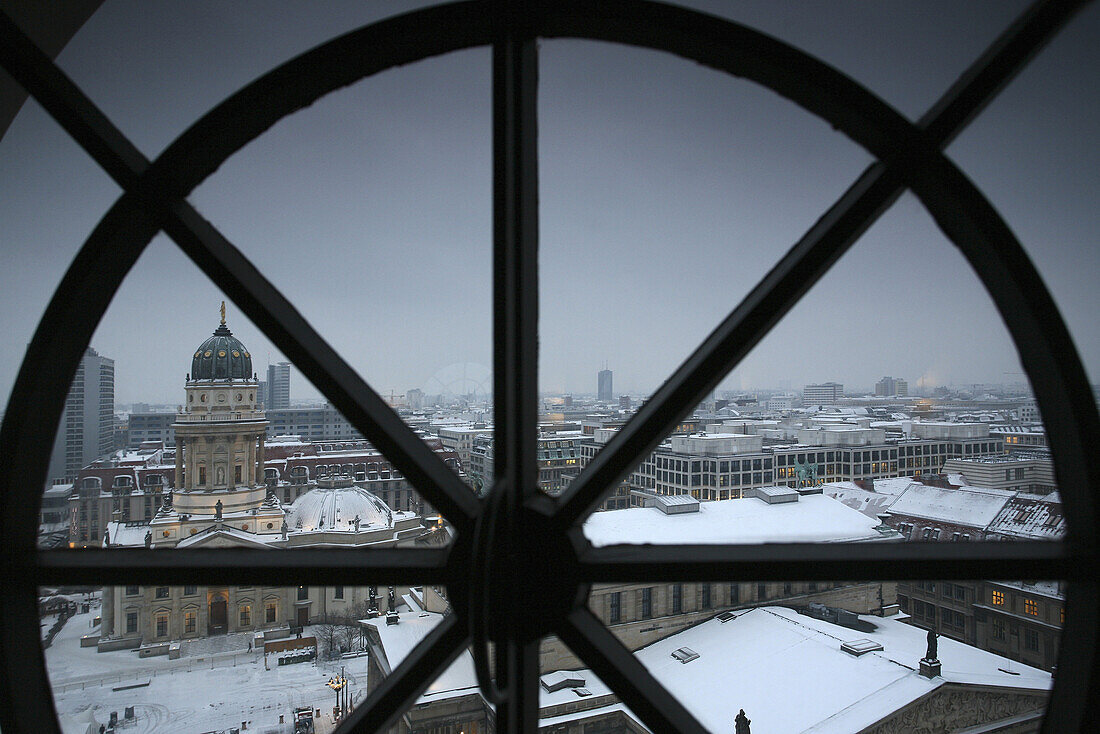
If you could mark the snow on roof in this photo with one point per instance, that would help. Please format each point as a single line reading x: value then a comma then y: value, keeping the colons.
x: 335, y: 508
x: 812, y: 519
x: 975, y: 506
x: 788, y: 673
x: 869, y: 503
x: 127, y: 533
x: 1031, y: 517
x: 399, y: 639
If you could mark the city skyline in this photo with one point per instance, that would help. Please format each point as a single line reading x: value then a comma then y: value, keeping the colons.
x: 664, y: 200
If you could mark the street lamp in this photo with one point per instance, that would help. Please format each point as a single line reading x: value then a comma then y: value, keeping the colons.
x: 338, y: 684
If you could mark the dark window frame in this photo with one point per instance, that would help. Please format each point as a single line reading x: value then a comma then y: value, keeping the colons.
x: 908, y: 156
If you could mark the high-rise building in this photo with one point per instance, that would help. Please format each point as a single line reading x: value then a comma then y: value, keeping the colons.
x: 823, y: 394
x: 87, y: 429
x: 278, y: 386
x: 889, y: 386
x: 603, y: 382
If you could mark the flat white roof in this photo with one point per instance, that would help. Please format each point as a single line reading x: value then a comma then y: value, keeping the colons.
x: 812, y: 519
x: 788, y: 673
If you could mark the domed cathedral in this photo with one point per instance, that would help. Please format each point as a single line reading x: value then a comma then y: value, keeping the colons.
x: 219, y: 499
x: 220, y: 438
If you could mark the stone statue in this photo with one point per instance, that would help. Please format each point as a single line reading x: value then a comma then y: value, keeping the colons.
x: 106, y: 537
x: 284, y: 529
x: 148, y: 538
x: 933, y: 646
x: 218, y: 510
x: 741, y: 723
x: 223, y: 313
x: 356, y: 521
x: 392, y: 599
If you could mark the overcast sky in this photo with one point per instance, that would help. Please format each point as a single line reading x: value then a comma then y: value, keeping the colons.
x: 667, y: 190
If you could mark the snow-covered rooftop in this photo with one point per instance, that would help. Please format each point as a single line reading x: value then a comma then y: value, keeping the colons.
x: 399, y: 639
x: 812, y: 519
x: 788, y: 673
x: 976, y: 506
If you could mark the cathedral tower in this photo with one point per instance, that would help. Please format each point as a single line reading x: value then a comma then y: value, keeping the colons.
x: 220, y: 433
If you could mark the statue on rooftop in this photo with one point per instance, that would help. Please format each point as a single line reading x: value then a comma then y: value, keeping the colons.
x: 741, y: 723
x: 218, y: 510
x: 356, y: 521
x: 106, y: 537
x: 148, y: 538
x: 284, y: 528
x: 933, y: 646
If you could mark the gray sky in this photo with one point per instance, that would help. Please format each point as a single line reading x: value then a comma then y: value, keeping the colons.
x: 667, y: 190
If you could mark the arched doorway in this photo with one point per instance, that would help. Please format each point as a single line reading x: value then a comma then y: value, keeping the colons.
x: 218, y: 614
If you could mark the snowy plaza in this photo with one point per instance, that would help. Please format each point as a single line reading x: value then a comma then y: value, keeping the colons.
x: 207, y: 690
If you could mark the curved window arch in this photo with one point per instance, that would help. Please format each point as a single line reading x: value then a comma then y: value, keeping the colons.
x: 489, y: 534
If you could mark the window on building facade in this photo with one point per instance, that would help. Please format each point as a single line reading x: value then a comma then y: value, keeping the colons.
x: 615, y: 607
x: 647, y: 602
x: 338, y: 592
x: 246, y: 615
x: 998, y: 598
x: 190, y: 590
x: 131, y: 591
x: 677, y: 598
x: 162, y: 592
x: 189, y: 621
x: 303, y: 593
x: 1031, y: 607
x: 131, y: 622
x: 1031, y: 639
x: 162, y: 625
x: 271, y: 612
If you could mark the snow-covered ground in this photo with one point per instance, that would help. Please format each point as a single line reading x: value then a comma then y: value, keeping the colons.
x: 193, y: 694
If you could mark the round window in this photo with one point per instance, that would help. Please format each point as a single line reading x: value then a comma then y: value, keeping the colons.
x: 202, y: 398
x: 239, y: 397
x: 221, y: 397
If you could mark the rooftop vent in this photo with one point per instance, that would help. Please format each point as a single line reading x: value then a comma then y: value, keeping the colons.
x: 674, y: 504
x: 726, y: 616
x: 685, y: 654
x: 582, y: 692
x: 860, y: 647
x: 561, y: 679
x: 392, y: 618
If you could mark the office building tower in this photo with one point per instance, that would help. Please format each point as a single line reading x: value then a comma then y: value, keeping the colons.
x: 889, y: 386
x: 603, y: 381
x: 823, y: 394
x: 278, y: 386
x: 87, y: 429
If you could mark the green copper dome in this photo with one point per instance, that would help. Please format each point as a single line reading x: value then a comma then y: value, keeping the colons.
x: 221, y: 357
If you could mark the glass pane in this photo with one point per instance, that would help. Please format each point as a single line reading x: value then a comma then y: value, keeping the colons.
x: 572, y: 698
x: 1033, y: 153
x: 846, y: 656
x: 859, y: 419
x: 215, y: 658
x: 654, y: 223
x: 213, y: 464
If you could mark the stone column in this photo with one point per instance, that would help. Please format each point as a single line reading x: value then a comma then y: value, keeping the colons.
x: 179, y: 465
x: 231, y: 463
x: 107, y: 612
x: 210, y: 472
x: 260, y: 461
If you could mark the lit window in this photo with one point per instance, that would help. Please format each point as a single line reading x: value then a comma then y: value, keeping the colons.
x: 188, y: 623
x: 246, y: 615
x: 999, y: 598
x: 1031, y: 607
